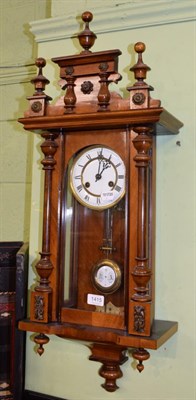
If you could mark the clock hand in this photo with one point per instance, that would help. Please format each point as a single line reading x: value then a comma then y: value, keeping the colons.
x: 106, y: 165
x: 98, y: 176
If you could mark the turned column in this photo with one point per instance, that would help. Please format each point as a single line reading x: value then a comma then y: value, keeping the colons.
x: 141, y: 306
x: 41, y: 296
x: 142, y: 273
x: 104, y: 94
x: 70, y: 97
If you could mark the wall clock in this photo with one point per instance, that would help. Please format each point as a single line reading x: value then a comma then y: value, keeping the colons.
x: 96, y: 270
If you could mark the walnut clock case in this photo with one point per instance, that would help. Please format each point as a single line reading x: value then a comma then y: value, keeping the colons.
x: 96, y: 270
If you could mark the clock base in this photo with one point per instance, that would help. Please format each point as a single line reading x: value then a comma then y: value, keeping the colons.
x: 160, y: 333
x: 111, y: 357
x: 108, y: 346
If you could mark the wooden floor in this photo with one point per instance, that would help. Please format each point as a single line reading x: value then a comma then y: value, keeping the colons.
x: 29, y: 395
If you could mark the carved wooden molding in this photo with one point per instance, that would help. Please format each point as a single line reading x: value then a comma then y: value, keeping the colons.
x: 17, y: 74
x: 122, y: 17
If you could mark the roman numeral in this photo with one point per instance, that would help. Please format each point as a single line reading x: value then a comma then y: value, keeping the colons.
x: 78, y: 177
x: 118, y: 165
x: 98, y: 200
x: 117, y: 188
x: 100, y: 153
x: 121, y: 176
x: 88, y: 156
x: 79, y: 188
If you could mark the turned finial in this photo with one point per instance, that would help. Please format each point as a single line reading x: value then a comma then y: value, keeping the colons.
x: 41, y: 340
x: 87, y: 37
x: 40, y: 63
x: 140, y: 355
x: 140, y: 69
x: 40, y: 81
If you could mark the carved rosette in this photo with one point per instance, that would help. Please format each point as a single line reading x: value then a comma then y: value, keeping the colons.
x: 87, y: 87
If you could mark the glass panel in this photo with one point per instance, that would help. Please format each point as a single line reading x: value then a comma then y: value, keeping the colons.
x: 68, y: 246
x: 94, y: 255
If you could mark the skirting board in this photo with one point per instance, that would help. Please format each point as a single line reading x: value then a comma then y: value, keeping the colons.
x: 29, y: 395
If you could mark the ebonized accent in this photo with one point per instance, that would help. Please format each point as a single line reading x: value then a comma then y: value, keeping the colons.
x: 22, y: 260
x: 13, y: 295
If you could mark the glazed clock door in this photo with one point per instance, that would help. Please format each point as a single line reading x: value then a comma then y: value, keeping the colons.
x: 94, y: 239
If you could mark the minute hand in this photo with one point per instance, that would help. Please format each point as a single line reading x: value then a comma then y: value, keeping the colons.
x: 105, y: 166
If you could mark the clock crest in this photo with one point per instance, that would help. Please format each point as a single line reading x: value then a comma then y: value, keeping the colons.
x: 96, y: 270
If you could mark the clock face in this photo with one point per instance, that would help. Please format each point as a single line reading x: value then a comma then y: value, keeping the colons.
x: 97, y: 177
x: 106, y: 276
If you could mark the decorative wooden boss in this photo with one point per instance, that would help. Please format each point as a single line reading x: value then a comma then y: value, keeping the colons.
x: 96, y: 270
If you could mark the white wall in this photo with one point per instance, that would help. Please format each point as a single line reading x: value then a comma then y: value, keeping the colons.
x: 17, y: 53
x: 64, y: 369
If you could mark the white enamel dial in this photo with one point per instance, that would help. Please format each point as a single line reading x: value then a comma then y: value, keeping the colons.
x: 106, y: 276
x: 97, y: 177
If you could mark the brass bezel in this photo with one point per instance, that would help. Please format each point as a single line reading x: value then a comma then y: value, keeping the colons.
x: 118, y: 276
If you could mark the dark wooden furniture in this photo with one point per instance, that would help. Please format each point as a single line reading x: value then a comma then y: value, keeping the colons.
x: 13, y: 295
x: 84, y: 234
